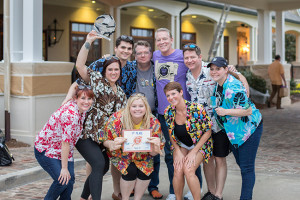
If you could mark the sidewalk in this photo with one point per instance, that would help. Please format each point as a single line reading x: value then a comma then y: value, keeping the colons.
x: 277, y: 166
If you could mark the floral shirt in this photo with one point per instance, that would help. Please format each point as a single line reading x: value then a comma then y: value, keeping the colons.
x: 120, y: 159
x: 197, y: 123
x: 107, y: 102
x: 64, y: 125
x: 201, y: 89
x: 238, y: 129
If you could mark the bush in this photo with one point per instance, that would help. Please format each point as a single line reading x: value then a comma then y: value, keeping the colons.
x: 254, y: 81
x: 293, y: 84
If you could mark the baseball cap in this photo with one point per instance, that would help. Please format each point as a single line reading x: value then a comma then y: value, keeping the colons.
x: 218, y: 61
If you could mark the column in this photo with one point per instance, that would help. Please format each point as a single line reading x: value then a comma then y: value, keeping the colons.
x: 298, y: 47
x: 117, y: 17
x: 280, y: 35
x: 32, y: 30
x: 264, y: 37
x: 173, y: 29
x: 16, y: 30
x: 177, y: 33
x: 253, y: 42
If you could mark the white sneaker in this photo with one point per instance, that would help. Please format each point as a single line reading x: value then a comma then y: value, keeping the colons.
x: 171, y: 197
x: 188, y: 196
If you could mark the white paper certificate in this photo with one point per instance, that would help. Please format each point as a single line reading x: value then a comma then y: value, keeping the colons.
x: 137, y: 140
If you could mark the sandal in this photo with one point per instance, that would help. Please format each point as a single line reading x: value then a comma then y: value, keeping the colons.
x: 156, y: 195
x: 208, y: 196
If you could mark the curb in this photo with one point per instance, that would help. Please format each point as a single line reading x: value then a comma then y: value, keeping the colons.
x: 25, y: 176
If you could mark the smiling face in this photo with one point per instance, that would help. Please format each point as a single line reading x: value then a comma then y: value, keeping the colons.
x: 192, y: 60
x: 218, y: 74
x: 164, y: 42
x: 137, y: 110
x: 112, y: 73
x: 84, y: 102
x: 174, y: 97
x: 123, y: 51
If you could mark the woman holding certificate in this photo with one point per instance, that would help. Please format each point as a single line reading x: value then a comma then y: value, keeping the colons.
x: 190, y: 134
x: 135, y: 165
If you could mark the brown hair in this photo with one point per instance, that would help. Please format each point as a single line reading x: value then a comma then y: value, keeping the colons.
x: 191, y: 47
x: 109, y: 61
x: 141, y: 43
x: 173, y: 86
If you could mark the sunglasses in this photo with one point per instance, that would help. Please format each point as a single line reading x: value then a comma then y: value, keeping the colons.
x: 125, y: 37
x: 111, y: 57
x: 192, y: 46
x: 81, y: 87
x: 136, y: 94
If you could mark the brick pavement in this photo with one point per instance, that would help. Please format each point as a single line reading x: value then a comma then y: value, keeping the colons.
x: 278, y: 154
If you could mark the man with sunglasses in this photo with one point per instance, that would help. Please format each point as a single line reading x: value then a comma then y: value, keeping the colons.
x: 201, y: 87
x: 169, y: 66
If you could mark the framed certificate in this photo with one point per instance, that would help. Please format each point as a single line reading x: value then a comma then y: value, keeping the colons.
x: 137, y: 140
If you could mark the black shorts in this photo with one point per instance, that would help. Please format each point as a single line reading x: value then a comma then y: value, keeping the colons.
x: 221, y: 145
x: 134, y: 172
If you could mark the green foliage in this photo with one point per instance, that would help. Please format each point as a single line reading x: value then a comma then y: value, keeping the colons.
x: 293, y: 84
x: 254, y: 81
x: 290, y: 47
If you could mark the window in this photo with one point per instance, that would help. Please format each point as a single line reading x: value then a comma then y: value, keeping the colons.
x: 188, y: 38
x: 143, y: 34
x: 78, y: 32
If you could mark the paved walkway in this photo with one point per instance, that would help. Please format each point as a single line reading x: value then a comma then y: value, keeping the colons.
x: 277, y: 165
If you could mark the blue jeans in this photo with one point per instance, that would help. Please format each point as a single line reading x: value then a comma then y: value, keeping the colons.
x: 53, y: 167
x: 245, y: 158
x: 169, y: 156
x: 155, y: 174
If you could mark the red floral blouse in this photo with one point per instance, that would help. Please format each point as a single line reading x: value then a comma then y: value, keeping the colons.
x: 64, y: 125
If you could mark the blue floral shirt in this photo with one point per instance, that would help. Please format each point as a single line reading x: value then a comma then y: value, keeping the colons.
x: 234, y: 96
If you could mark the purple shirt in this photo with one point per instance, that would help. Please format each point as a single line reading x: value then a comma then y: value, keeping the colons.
x: 169, y: 68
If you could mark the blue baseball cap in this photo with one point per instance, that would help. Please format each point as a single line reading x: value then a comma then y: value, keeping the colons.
x: 218, y: 61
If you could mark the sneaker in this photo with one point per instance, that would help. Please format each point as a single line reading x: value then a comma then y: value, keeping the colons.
x: 171, y: 197
x: 216, y: 198
x: 188, y: 196
x: 208, y: 196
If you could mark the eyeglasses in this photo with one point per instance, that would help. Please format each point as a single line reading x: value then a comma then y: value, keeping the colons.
x: 146, y: 53
x: 125, y: 37
x: 81, y: 87
x: 192, y: 46
x: 136, y: 94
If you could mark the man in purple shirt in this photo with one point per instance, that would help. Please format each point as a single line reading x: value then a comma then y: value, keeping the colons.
x: 169, y: 66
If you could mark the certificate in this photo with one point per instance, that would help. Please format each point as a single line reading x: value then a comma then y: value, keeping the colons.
x: 137, y: 140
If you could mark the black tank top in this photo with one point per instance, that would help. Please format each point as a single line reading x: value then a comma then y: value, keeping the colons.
x: 182, y: 135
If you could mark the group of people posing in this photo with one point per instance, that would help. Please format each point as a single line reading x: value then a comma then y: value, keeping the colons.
x: 197, y: 112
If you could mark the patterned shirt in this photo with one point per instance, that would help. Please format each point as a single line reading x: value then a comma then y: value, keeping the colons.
x: 121, y: 160
x: 197, y: 123
x: 234, y: 96
x: 107, y: 102
x: 64, y: 125
x: 201, y: 89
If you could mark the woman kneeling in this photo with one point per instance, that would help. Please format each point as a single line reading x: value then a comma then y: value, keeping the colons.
x: 190, y: 135
x: 135, y: 167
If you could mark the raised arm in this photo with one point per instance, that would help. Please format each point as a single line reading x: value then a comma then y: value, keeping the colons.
x: 83, y: 53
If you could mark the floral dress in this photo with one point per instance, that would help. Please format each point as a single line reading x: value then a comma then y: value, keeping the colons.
x: 197, y: 123
x: 107, y: 102
x: 121, y: 160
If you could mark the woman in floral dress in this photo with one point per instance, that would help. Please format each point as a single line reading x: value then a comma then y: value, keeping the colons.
x: 190, y: 134
x: 135, y: 167
x: 242, y: 122
x: 54, y: 145
x: 109, y: 99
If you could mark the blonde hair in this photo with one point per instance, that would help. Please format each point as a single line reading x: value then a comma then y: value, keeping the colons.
x: 126, y: 118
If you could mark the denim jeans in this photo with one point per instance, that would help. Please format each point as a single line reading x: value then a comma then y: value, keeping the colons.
x: 53, y: 167
x: 155, y: 174
x: 169, y: 156
x: 245, y: 158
